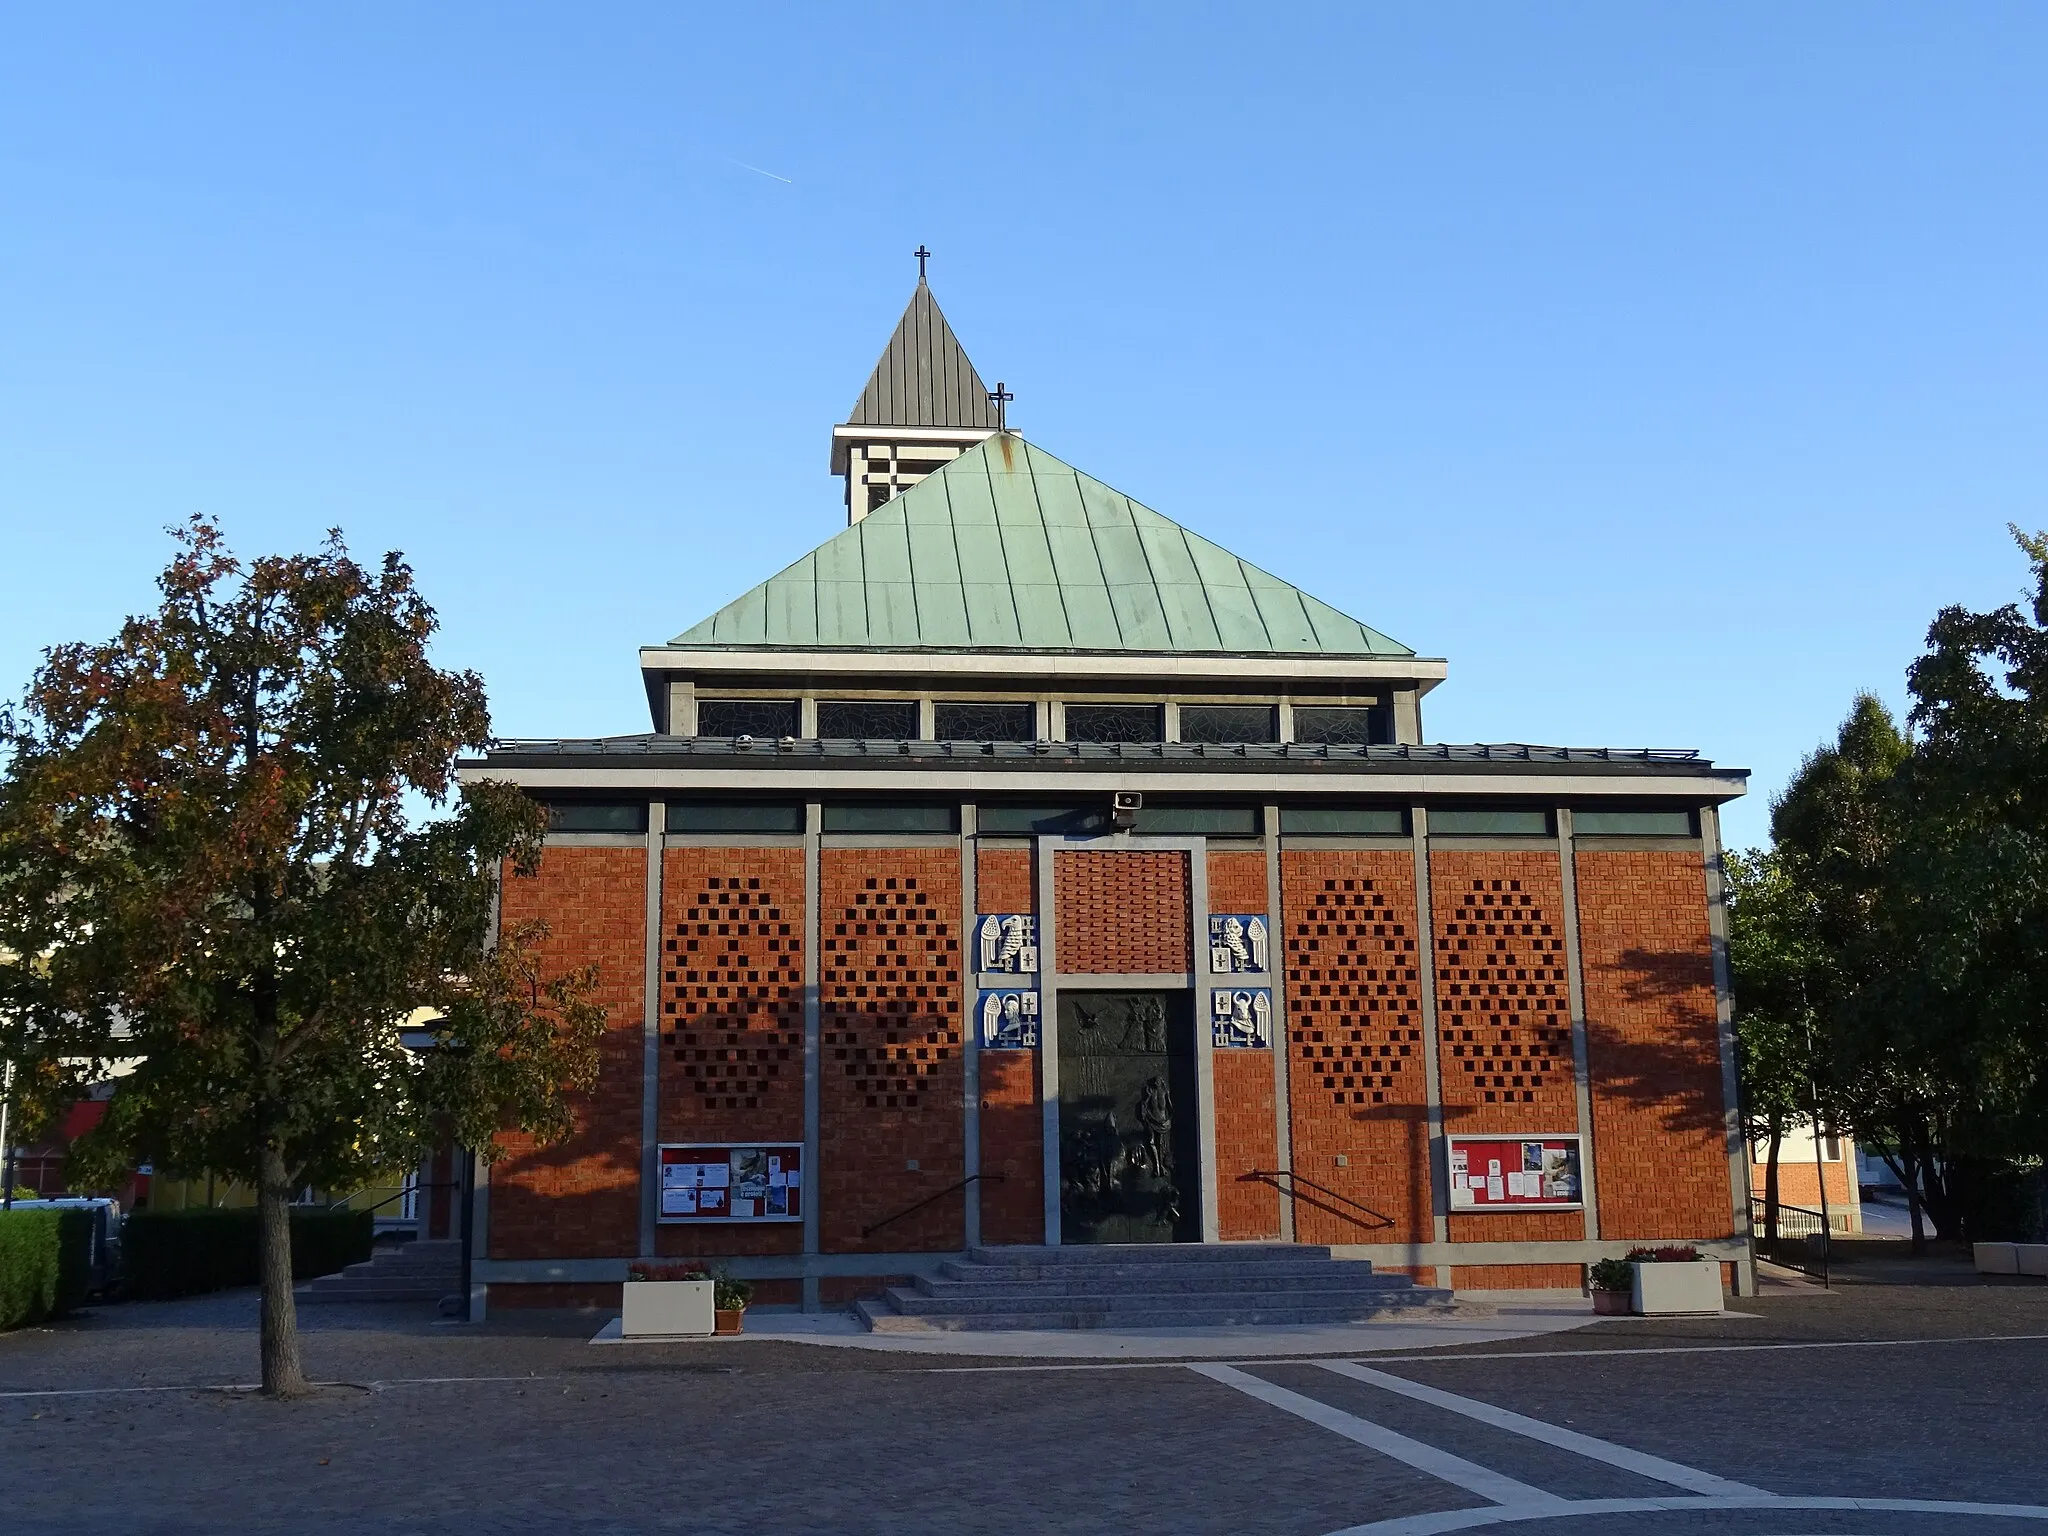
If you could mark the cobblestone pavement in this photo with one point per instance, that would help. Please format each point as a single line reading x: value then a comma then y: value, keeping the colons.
x: 1877, y: 1393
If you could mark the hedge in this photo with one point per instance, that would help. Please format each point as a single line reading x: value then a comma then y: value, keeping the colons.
x: 182, y: 1253
x: 45, y: 1258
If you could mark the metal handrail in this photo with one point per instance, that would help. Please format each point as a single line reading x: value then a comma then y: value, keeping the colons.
x: 1821, y: 1228
x: 993, y: 1178
x: 1273, y: 1176
x: 416, y: 1189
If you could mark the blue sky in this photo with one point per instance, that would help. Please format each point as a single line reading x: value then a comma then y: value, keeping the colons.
x: 1665, y: 367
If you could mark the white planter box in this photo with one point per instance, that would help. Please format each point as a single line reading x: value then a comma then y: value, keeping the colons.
x: 2033, y: 1258
x: 1669, y: 1288
x: 1997, y: 1258
x: 666, y: 1306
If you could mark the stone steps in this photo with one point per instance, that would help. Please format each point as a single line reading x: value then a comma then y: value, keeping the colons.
x: 1144, y: 1286
x: 416, y: 1271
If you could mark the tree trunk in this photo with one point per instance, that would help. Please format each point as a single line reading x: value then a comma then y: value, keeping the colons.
x: 1910, y: 1157
x: 282, y: 1375
x: 1771, y: 1185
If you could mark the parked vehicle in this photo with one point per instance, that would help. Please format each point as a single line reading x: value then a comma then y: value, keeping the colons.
x: 104, y: 1266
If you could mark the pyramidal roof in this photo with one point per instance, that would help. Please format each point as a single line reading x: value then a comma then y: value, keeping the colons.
x: 1008, y: 549
x: 924, y: 378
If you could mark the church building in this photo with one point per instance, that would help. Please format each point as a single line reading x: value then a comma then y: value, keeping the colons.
x: 1023, y: 868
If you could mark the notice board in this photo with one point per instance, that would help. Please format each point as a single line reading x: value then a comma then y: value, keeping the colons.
x: 721, y: 1181
x: 1515, y: 1173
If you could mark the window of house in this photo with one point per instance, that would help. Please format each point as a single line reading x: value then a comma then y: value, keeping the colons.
x: 1113, y: 722
x: 1343, y: 821
x: 878, y: 816
x: 1633, y: 824
x: 868, y: 719
x: 1197, y: 821
x: 597, y: 816
x: 1223, y: 724
x: 769, y: 718
x: 1489, y: 823
x: 735, y: 816
x: 985, y: 722
x: 1013, y: 819
x: 1344, y: 724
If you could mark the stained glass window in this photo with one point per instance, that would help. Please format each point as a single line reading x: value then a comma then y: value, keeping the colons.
x: 768, y: 718
x: 1349, y: 724
x: 984, y: 722
x: 1113, y: 722
x: 1225, y: 723
x: 867, y: 719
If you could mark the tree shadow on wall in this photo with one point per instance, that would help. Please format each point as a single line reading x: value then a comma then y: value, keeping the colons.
x: 1677, y: 1074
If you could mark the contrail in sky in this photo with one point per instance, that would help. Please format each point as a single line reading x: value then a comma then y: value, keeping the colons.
x: 759, y: 172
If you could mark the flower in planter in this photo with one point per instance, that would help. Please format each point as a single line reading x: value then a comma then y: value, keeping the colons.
x: 730, y: 1295
x: 1669, y: 1255
x: 1611, y: 1275
x: 666, y: 1272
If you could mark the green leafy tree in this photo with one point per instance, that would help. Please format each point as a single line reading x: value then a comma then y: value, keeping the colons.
x: 209, y: 868
x: 1776, y: 965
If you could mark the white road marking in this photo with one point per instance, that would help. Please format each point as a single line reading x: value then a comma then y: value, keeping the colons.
x: 1438, y: 1357
x: 1475, y: 1519
x: 1692, y: 1479
x: 257, y: 1386
x: 1456, y: 1470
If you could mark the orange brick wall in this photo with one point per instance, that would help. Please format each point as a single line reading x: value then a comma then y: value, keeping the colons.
x: 890, y: 997
x: 1121, y: 911
x: 1245, y: 1140
x: 1355, y: 1038
x: 1503, y: 1014
x: 732, y: 1018
x: 1237, y: 883
x: 580, y: 1197
x: 1517, y: 1277
x: 1002, y: 880
x: 1013, y: 1145
x: 1653, y: 1046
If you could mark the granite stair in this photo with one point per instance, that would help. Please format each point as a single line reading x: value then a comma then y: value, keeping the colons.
x: 415, y: 1271
x: 1144, y: 1285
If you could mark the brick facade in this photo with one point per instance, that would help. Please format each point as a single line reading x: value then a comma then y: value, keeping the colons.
x: 1246, y: 1138
x: 1121, y: 912
x: 581, y: 1195
x: 890, y: 986
x: 1003, y: 880
x: 895, y: 996
x: 1653, y: 1046
x: 1355, y: 1037
x: 732, y: 1017
x: 1504, y: 1024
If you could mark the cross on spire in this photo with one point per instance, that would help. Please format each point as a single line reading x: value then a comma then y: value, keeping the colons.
x: 922, y: 256
x: 1001, y: 397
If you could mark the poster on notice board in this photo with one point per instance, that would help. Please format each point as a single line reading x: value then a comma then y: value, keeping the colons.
x: 705, y: 1182
x: 1521, y: 1173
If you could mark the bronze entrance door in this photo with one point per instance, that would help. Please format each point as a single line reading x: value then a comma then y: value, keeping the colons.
x: 1129, y: 1165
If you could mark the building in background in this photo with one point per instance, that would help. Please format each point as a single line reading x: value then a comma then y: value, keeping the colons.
x: 1022, y: 867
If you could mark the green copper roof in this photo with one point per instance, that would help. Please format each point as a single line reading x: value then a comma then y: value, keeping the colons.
x: 1009, y: 549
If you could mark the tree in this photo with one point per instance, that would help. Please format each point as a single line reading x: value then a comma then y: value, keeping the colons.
x: 1775, y: 965
x: 208, y: 868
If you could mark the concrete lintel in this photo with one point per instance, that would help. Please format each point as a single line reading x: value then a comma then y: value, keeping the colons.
x: 864, y: 778
x: 1729, y: 1250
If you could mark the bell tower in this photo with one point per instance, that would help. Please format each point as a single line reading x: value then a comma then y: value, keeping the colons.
x: 924, y: 405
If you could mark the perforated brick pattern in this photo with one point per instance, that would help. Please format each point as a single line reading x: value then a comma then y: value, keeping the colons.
x: 890, y: 984
x: 1503, y: 998
x: 1121, y: 912
x: 1360, y: 1119
x: 732, y: 967
x: 1503, y: 1014
x: 892, y: 1012
x: 1355, y: 993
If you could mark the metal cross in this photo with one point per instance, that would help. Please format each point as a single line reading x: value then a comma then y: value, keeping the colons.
x: 1001, y: 397
x: 922, y: 256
